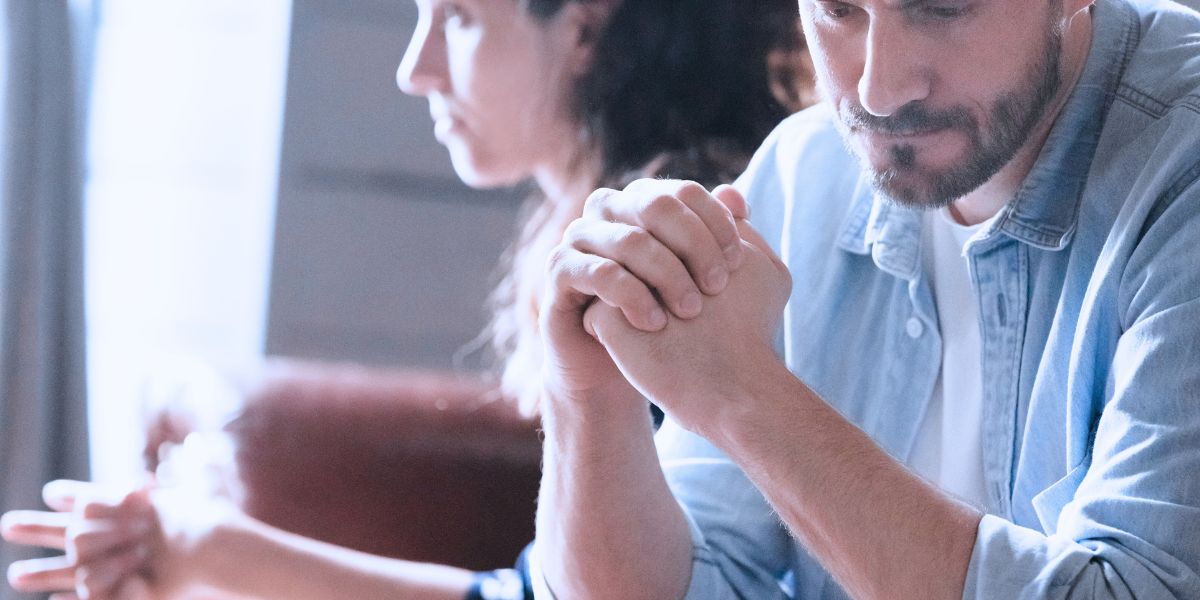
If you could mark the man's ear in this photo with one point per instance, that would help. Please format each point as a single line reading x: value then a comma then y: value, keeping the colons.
x: 584, y: 23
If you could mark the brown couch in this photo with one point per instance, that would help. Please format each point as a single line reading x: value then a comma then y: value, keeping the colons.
x: 418, y: 465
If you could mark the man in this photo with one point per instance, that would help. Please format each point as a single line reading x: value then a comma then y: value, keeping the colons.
x: 985, y: 381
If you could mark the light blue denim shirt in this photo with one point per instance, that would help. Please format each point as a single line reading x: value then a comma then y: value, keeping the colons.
x: 1088, y: 289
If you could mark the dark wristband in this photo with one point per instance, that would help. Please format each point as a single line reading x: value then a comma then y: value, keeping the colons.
x: 504, y: 584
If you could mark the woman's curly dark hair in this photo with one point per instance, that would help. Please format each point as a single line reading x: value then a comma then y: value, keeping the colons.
x: 673, y: 77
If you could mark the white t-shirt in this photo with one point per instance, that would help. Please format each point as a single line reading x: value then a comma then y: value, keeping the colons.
x: 949, y: 448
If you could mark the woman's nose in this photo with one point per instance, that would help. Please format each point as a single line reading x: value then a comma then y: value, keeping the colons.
x: 422, y: 70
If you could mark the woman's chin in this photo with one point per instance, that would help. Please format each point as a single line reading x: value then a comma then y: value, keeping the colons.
x: 476, y: 176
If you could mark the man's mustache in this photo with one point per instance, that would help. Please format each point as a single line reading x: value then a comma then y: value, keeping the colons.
x: 910, y: 119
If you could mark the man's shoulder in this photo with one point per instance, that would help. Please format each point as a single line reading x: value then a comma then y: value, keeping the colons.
x: 806, y: 151
x: 1150, y: 142
x: 804, y: 174
x: 1163, y: 69
x: 812, y: 131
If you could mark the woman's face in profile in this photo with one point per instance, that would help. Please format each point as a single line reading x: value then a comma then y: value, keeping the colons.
x: 498, y: 83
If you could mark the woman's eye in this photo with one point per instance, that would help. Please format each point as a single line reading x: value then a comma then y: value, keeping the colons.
x: 944, y: 12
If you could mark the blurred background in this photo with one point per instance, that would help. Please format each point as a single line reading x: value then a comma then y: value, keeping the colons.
x: 190, y: 186
x: 258, y: 185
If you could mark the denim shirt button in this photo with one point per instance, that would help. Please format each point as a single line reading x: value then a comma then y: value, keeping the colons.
x: 914, y: 328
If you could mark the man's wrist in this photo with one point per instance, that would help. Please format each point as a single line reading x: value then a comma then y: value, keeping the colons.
x: 613, y: 406
x: 761, y: 397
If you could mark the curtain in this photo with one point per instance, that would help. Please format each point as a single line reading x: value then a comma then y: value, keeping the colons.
x: 43, y: 421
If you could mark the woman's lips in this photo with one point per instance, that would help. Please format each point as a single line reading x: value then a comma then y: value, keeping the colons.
x: 446, y: 126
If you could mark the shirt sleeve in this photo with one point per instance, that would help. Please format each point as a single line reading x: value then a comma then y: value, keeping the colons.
x: 740, y: 548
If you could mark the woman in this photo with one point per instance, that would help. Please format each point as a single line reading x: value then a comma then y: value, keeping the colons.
x: 571, y: 94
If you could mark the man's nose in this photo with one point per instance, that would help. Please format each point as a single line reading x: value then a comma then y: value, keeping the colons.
x: 423, y: 68
x: 893, y: 75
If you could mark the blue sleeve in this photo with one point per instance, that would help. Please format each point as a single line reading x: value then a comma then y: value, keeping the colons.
x: 1125, y: 523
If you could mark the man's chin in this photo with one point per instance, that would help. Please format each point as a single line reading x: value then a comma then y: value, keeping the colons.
x: 909, y: 189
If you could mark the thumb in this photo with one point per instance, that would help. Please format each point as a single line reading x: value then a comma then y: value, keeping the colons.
x: 733, y: 200
x: 752, y: 237
x: 62, y: 494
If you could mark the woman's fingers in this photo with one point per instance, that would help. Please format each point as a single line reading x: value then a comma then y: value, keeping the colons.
x: 42, y: 575
x: 61, y: 494
x: 100, y: 578
x: 92, y: 539
x: 35, y: 528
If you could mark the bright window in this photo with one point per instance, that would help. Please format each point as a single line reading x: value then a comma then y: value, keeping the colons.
x: 185, y: 125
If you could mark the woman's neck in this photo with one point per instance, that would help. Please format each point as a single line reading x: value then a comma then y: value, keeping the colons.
x: 569, y: 181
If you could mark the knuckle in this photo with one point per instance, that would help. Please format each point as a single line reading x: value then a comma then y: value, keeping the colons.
x: 557, y: 258
x: 643, y: 183
x: 575, y: 231
x: 86, y: 577
x: 691, y: 189
x: 636, y: 239
x: 599, y: 201
x: 559, y: 267
x: 662, y: 206
x: 607, y: 271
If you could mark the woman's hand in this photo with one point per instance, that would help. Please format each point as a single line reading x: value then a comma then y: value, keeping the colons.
x: 104, y: 539
x: 144, y: 544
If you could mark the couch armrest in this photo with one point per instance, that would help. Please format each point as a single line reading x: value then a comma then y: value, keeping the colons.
x: 425, y: 466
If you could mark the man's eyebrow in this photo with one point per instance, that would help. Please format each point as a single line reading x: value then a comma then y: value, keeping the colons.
x: 907, y: 4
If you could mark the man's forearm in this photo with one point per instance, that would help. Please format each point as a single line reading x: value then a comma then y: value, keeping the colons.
x: 254, y: 559
x: 608, y: 525
x: 881, y: 530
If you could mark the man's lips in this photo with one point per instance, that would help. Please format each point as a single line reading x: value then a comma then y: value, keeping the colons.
x: 899, y: 133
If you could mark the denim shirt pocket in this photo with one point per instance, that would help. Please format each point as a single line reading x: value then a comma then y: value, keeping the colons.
x: 1048, y: 503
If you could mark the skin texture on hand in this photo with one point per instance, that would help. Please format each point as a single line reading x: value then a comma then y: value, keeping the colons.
x: 655, y: 249
x: 658, y: 248
x: 691, y: 367
x: 171, y: 543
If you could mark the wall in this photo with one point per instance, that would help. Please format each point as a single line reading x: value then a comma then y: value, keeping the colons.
x: 381, y: 255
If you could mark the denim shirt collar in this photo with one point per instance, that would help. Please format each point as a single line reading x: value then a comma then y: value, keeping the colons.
x: 1044, y: 210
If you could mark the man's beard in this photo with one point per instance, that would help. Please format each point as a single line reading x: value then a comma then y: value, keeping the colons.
x: 1013, y: 118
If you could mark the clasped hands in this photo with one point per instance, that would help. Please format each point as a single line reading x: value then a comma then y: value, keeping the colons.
x: 661, y: 291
